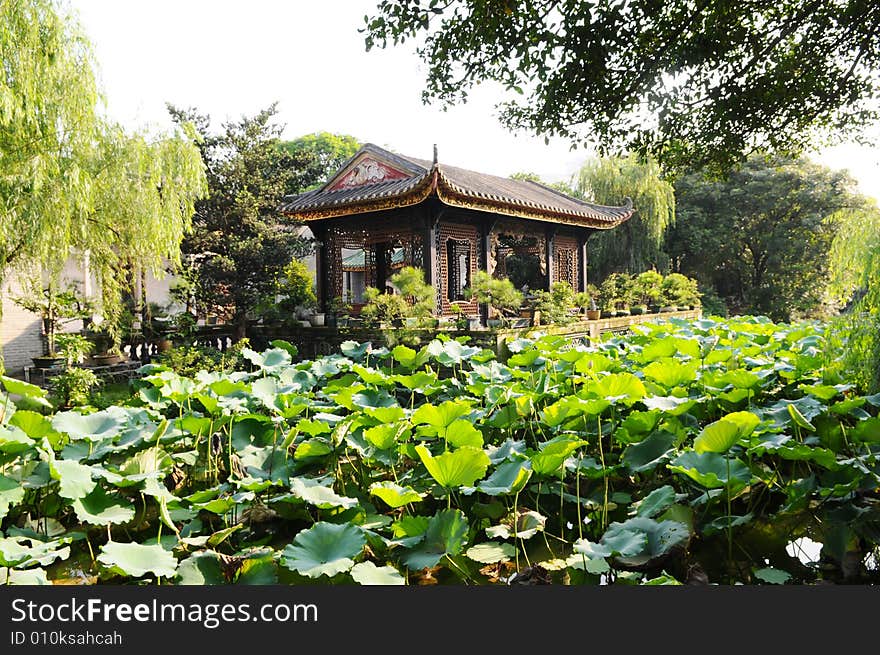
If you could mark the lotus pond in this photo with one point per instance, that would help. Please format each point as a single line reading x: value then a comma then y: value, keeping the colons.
x: 685, y: 452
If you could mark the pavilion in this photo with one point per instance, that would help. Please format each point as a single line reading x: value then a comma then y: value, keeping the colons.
x: 381, y: 211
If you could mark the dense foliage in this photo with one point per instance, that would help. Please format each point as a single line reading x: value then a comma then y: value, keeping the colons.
x: 689, y: 83
x: 636, y: 245
x: 686, y: 452
x: 761, y: 237
x: 71, y: 183
x: 248, y: 175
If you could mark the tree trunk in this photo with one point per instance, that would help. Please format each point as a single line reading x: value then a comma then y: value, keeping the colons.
x: 239, y: 326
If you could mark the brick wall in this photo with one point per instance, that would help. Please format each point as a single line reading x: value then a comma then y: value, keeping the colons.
x: 20, y: 333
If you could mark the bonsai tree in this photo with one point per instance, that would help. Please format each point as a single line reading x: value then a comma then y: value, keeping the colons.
x: 679, y: 290
x: 613, y: 292
x: 497, y: 293
x: 414, y: 299
x: 586, y: 300
x: 340, y: 307
x: 555, y: 305
x: 461, y: 321
x: 420, y: 297
x: 382, y: 308
x: 296, y: 288
x: 645, y: 289
x: 55, y: 307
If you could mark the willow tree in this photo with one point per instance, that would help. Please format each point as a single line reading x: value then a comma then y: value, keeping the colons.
x: 855, y: 268
x: 69, y: 183
x: 635, y: 245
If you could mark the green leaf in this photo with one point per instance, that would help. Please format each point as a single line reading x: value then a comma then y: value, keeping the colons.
x: 101, y: 508
x: 286, y: 346
x: 671, y: 373
x: 773, y: 576
x: 717, y: 437
x: 322, y: 497
x: 800, y: 419
x: 459, y: 468
x: 75, y: 478
x: 137, y: 560
x: 384, y: 437
x: 222, y: 535
x: 394, y: 495
x: 446, y: 535
x: 509, y: 477
x: 13, y: 440
x: 324, y: 549
x: 656, y: 538
x: 26, y: 390
x: 720, y: 436
x: 619, y: 386
x: 491, y: 552
x: 528, y: 524
x: 553, y: 453
x: 11, y: 493
x: 463, y: 433
x: 30, y: 578
x: 656, y: 501
x: 648, y: 453
x: 367, y: 573
x: 867, y: 431
x: 710, y: 470
x: 202, y: 568
x: 312, y: 448
x: 36, y: 426
x: 269, y: 360
x: 441, y: 416
x: 94, y: 427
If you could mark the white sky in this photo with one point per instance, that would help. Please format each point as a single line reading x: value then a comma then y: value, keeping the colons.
x: 229, y: 58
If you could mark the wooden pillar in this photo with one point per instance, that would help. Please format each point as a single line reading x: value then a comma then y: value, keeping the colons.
x: 381, y: 266
x: 485, y: 246
x: 429, y: 244
x: 582, y: 263
x: 549, y: 233
x: 322, y: 269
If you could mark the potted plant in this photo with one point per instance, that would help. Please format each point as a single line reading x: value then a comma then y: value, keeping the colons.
x: 55, y: 307
x: 555, y: 305
x: 460, y: 320
x: 680, y: 291
x: 419, y: 297
x: 74, y: 347
x: 294, y: 297
x: 382, y: 309
x: 645, y: 290
x: 339, y: 312
x: 498, y: 293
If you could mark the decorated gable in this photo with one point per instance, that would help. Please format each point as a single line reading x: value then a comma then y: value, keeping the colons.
x: 367, y: 170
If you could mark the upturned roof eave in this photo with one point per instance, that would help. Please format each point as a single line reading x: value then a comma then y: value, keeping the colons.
x: 435, y: 184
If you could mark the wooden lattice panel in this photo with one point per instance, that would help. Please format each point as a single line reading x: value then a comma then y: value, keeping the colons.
x: 565, y: 260
x: 463, y: 234
x: 518, y: 230
x: 399, y: 234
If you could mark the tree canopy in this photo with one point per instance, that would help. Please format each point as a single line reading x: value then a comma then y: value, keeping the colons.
x: 688, y: 82
x: 636, y: 245
x: 240, y: 244
x: 762, y: 236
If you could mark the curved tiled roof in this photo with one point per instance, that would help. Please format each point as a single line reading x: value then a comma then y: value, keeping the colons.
x: 453, y: 186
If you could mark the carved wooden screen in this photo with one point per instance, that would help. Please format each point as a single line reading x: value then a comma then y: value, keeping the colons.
x: 463, y: 240
x: 565, y: 260
x: 390, y: 238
